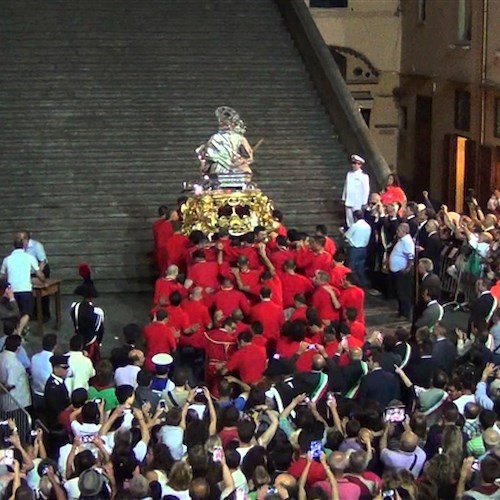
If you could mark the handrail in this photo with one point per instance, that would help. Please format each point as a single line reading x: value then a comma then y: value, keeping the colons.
x: 14, y: 410
x: 337, y: 99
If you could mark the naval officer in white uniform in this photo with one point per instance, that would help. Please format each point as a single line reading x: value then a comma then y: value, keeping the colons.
x: 356, y: 189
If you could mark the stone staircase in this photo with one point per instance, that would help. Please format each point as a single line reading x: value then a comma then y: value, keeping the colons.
x: 103, y: 103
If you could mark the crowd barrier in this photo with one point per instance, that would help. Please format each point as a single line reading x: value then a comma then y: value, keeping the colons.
x: 461, y: 267
x: 10, y: 408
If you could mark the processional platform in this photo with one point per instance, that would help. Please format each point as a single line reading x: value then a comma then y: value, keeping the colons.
x: 237, y: 210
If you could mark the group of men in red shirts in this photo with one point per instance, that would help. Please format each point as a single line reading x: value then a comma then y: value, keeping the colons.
x: 234, y: 302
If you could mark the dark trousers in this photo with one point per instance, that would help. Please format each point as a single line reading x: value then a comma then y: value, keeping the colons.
x: 404, y: 292
x: 46, y: 300
x: 357, y: 262
x: 194, y: 360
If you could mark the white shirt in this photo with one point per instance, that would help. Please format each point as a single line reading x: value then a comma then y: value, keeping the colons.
x: 40, y: 371
x: 402, y: 253
x: 82, y: 370
x: 127, y: 375
x: 71, y: 487
x: 356, y: 189
x: 173, y: 437
x: 85, y: 429
x: 482, y: 248
x: 358, y: 235
x: 140, y: 450
x: 12, y: 372
x: 18, y: 267
x: 243, y: 450
x: 463, y: 400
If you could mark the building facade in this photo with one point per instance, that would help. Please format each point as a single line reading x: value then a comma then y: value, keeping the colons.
x: 436, y: 98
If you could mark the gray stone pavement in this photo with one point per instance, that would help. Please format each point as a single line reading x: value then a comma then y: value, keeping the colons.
x: 121, y: 309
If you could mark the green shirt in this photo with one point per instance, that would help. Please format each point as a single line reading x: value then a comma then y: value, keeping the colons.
x: 108, y: 395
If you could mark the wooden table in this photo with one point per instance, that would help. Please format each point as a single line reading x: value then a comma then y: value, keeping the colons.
x: 48, y: 288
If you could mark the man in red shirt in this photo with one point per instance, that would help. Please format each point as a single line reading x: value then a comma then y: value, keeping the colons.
x: 299, y: 308
x: 176, y: 246
x: 293, y: 283
x: 269, y: 314
x: 330, y: 245
x: 247, y: 279
x: 157, y: 234
x: 219, y: 345
x: 164, y: 287
x: 246, y: 249
x: 358, y: 329
x: 353, y: 295
x: 324, y: 298
x: 339, y: 270
x: 250, y: 360
x: 279, y: 254
x: 313, y: 258
x: 178, y: 320
x: 272, y: 281
x: 204, y: 274
x: 227, y: 299
x: 159, y: 338
x: 199, y: 318
x: 316, y: 472
x: 192, y: 345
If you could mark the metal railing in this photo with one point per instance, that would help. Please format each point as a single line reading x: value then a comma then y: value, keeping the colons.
x: 10, y: 408
x: 459, y: 274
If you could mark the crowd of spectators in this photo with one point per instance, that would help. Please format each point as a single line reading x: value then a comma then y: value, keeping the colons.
x: 258, y: 375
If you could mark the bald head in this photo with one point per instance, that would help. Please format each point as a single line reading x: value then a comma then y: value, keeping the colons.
x: 136, y: 357
x: 197, y: 293
x: 172, y: 271
x: 199, y: 488
x: 409, y: 441
x: 286, y: 485
x: 318, y: 362
x: 356, y: 353
x: 286, y: 480
x: 471, y: 410
x: 337, y: 461
x: 491, y: 438
x: 322, y: 277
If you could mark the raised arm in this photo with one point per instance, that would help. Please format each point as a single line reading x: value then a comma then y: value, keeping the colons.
x: 117, y: 412
x: 406, y: 381
x: 142, y: 425
x: 303, y: 478
x: 269, y: 433
x: 265, y: 259
x: 331, y: 477
x: 212, y: 428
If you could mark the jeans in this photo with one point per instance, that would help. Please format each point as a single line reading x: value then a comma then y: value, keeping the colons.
x: 357, y: 263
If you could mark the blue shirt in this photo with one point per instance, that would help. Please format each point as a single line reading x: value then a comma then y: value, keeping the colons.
x: 402, y: 254
x: 36, y: 249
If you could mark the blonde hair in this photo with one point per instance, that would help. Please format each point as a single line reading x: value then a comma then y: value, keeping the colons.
x: 180, y: 476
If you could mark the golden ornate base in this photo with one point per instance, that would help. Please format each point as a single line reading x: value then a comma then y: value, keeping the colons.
x: 237, y: 211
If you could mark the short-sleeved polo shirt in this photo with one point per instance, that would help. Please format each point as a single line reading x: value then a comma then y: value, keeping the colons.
x: 18, y: 267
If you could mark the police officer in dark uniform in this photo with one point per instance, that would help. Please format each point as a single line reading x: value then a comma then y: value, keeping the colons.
x: 56, y: 399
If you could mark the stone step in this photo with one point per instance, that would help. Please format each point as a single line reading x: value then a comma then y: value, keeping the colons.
x: 103, y: 104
